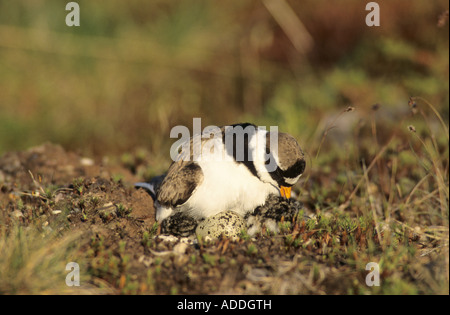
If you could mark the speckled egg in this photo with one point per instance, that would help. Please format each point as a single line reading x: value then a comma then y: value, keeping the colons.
x: 228, y: 223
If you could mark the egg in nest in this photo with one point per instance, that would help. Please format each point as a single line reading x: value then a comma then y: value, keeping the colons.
x: 227, y: 223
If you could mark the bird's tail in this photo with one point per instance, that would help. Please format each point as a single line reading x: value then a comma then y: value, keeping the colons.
x: 153, y: 186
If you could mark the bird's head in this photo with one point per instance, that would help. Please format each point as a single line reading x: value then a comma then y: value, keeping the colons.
x: 289, y: 161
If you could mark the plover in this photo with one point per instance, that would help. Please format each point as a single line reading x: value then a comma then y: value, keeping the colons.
x: 227, y: 176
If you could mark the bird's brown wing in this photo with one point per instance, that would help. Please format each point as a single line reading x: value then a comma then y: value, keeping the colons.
x: 182, y: 178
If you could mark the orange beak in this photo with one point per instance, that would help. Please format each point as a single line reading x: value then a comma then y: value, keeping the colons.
x: 285, y: 192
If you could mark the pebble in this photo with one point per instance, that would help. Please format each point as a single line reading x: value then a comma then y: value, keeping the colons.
x: 59, y: 197
x: 86, y: 161
x: 17, y: 214
x: 180, y: 248
x: 168, y: 238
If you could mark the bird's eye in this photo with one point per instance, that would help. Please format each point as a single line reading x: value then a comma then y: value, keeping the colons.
x: 295, y: 170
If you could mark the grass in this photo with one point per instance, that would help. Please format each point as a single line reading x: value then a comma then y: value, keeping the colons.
x: 34, y: 262
x: 381, y: 196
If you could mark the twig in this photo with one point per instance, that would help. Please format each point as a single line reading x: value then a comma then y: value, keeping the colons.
x: 291, y: 24
x: 36, y: 183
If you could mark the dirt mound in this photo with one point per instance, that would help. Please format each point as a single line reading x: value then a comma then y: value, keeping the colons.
x: 51, y: 164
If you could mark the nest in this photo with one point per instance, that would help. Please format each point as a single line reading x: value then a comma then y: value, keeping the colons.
x: 276, y: 209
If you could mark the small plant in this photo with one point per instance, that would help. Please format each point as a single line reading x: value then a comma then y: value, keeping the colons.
x: 154, y: 229
x: 117, y: 178
x: 173, y: 290
x: 78, y: 185
x: 310, y: 224
x: 284, y: 226
x: 244, y: 235
x: 288, y: 240
x: 252, y: 249
x: 209, y: 259
x: 50, y: 192
x: 94, y: 201
x: 106, y: 215
x: 297, y: 242
x: 122, y: 211
x: 147, y: 239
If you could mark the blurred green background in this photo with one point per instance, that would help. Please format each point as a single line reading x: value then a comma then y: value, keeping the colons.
x: 134, y: 69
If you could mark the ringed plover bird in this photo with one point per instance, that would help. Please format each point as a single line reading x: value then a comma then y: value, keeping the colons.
x: 240, y: 180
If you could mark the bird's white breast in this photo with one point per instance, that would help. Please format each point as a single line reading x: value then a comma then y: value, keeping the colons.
x: 227, y: 185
